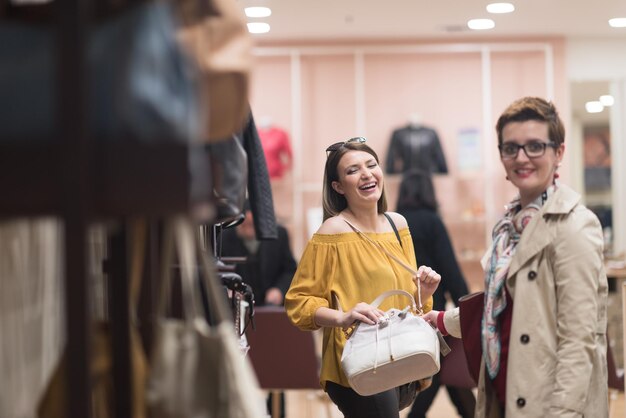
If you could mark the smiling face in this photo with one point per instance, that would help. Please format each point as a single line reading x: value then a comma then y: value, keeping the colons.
x: 530, y: 175
x: 360, y: 178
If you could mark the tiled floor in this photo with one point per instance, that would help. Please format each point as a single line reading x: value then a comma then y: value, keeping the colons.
x: 315, y: 404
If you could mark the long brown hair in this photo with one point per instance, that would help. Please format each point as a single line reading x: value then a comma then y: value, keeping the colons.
x: 416, y: 191
x: 333, y: 202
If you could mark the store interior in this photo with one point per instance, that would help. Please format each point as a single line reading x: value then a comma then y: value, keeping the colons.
x: 332, y: 71
x: 109, y: 184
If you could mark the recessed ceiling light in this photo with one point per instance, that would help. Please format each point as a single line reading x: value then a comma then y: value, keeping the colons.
x: 481, y: 24
x: 618, y: 22
x: 594, y: 107
x: 607, y: 100
x: 258, y: 11
x: 500, y: 8
x: 258, y: 27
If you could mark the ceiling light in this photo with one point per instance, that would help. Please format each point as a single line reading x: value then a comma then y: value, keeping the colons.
x: 481, y: 24
x: 500, y: 8
x: 618, y: 22
x: 607, y: 100
x: 258, y: 27
x: 258, y: 11
x: 594, y: 107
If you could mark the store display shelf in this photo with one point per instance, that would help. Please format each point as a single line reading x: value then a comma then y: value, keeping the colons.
x: 127, y: 179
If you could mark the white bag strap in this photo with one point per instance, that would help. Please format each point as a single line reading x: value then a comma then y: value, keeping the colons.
x: 376, y: 303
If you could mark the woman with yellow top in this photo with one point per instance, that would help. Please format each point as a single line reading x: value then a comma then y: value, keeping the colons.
x: 337, y: 263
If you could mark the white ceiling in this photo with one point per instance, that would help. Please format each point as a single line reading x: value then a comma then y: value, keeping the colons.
x: 374, y: 20
x: 411, y: 19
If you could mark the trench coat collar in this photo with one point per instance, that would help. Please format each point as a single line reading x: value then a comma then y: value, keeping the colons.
x: 537, y: 234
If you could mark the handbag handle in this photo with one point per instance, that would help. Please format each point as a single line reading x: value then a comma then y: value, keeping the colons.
x: 379, y: 299
x: 180, y: 234
x: 376, y: 303
x: 393, y: 257
x: 172, y: 239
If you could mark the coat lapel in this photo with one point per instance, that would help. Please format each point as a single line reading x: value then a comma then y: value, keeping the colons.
x: 538, y: 234
x: 535, y: 237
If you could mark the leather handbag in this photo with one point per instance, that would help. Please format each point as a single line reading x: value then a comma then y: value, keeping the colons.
x: 401, y: 348
x: 141, y: 84
x: 215, y: 35
x: 471, y: 314
x: 197, y: 369
x: 454, y: 369
x: 229, y: 168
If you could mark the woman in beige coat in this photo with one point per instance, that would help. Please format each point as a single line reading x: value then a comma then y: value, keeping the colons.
x: 544, y: 321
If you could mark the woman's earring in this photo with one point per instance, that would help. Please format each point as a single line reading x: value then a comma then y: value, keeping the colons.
x: 507, y: 177
x: 556, y: 173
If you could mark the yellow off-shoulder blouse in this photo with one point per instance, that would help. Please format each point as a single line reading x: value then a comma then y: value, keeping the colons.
x: 356, y: 271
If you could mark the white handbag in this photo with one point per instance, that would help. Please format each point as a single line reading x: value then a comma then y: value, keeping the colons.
x: 197, y: 368
x: 401, y: 348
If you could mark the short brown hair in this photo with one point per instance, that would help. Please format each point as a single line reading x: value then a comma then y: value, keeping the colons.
x: 533, y: 108
x: 333, y: 202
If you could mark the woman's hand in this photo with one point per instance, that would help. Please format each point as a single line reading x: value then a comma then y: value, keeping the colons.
x: 361, y: 312
x: 431, y: 317
x: 428, y: 281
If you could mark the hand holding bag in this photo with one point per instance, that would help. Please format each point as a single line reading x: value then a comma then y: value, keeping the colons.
x: 401, y: 348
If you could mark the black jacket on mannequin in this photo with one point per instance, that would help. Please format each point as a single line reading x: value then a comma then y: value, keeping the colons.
x: 415, y: 146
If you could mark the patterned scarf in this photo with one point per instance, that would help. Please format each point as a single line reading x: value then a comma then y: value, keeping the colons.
x: 506, y: 234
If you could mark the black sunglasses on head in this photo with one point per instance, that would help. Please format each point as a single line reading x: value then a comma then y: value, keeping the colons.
x: 334, y: 147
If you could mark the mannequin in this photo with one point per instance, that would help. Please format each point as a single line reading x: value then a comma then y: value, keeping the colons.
x: 415, y: 120
x: 415, y: 146
x: 276, y: 147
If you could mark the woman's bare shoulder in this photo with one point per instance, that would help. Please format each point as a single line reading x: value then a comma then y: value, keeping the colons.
x: 398, y: 219
x: 334, y: 225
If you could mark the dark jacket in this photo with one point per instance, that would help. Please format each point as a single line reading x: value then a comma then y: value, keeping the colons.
x: 434, y: 249
x: 259, y: 188
x: 415, y: 147
x: 272, y: 265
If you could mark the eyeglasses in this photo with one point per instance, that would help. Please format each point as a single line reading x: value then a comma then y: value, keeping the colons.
x: 532, y: 149
x: 334, y: 147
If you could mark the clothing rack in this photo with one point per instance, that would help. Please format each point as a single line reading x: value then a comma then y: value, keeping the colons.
x: 79, y: 180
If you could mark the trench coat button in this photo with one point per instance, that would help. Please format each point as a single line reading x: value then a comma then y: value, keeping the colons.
x: 521, y: 402
x: 524, y: 338
x: 532, y: 275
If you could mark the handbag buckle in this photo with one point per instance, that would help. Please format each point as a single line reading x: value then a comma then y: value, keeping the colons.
x: 403, y: 312
x: 350, y: 330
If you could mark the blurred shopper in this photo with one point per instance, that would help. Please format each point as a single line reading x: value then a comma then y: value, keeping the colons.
x: 418, y: 204
x: 269, y: 265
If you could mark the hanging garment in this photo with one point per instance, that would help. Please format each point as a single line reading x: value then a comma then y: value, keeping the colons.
x: 415, y: 147
x: 277, y: 149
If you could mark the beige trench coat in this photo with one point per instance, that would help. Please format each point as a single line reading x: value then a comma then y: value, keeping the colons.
x: 557, y: 349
